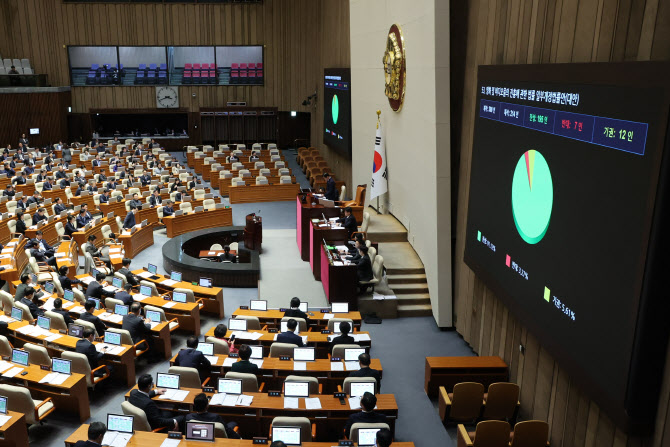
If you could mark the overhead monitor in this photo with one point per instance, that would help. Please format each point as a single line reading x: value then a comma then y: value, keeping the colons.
x: 337, y: 109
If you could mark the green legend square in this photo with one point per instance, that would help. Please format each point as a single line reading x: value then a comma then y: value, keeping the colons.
x: 479, y: 236
x: 546, y: 294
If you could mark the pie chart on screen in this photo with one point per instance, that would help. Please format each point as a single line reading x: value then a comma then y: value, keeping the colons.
x: 335, y: 109
x: 532, y: 196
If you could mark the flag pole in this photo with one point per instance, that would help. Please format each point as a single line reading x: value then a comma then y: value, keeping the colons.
x: 379, y: 112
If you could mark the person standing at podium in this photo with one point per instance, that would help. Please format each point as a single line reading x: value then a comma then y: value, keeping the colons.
x: 348, y: 222
x: 331, y: 190
x: 129, y: 221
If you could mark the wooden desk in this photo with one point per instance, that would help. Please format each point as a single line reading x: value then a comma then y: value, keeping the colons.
x: 257, y: 417
x: 176, y: 225
x: 150, y: 214
x: 134, y: 243
x: 317, y: 234
x: 305, y: 212
x: 83, y: 200
x: 272, y: 317
x: 448, y: 371
x: 145, y: 438
x: 15, y: 432
x: 48, y: 231
x: 212, y: 297
x: 118, y: 208
x: 70, y: 257
x: 81, y: 237
x: 15, y: 263
x: 340, y: 282
x: 262, y: 193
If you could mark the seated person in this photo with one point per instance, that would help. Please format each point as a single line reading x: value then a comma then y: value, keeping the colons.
x: 124, y: 295
x: 192, y: 358
x: 31, y: 302
x: 344, y: 338
x: 42, y: 245
x: 105, y: 196
x: 89, y: 306
x: 95, y: 253
x: 368, y: 415
x: 155, y: 199
x: 220, y: 332
x: 348, y: 221
x: 364, y: 265
x: 83, y: 218
x: 136, y: 202
x: 20, y: 224
x: 41, y: 256
x: 384, y: 438
x: 129, y: 221
x: 47, y: 185
x: 96, y: 433
x: 85, y: 346
x: 290, y: 336
x: 365, y: 370
x: 35, y: 198
x: 22, y: 204
x: 167, y: 209
x: 71, y: 225
x: 58, y: 308
x: 295, y: 311
x: 9, y: 190
x: 140, y: 329
x: 125, y: 271
x: 39, y: 216
x: 59, y: 207
x: 244, y: 365
x: 65, y: 282
x: 141, y: 398
x: 356, y: 256
x: 226, y: 256
x: 96, y: 289
x: 200, y: 414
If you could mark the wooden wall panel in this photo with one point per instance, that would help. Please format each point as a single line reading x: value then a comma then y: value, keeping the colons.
x: 301, y: 37
x: 21, y: 111
x: 547, y: 31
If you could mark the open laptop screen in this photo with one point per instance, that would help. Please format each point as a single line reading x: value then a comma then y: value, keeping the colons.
x: 206, y: 348
x: 170, y: 381
x: 258, y: 305
x: 288, y: 435
x: 237, y: 324
x: 117, y: 422
x: 351, y: 354
x: 152, y: 268
x: 367, y: 437
x: 304, y: 354
x: 339, y: 308
x: 359, y: 388
x: 230, y: 386
x: 61, y: 366
x: 112, y: 338
x: 200, y: 431
x: 296, y: 389
x: 20, y: 357
x: 256, y: 352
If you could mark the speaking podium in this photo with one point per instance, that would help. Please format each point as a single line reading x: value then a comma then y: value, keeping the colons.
x: 253, y: 232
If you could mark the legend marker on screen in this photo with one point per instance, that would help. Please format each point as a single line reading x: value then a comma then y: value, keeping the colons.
x: 479, y: 236
x: 547, y: 294
x: 508, y: 260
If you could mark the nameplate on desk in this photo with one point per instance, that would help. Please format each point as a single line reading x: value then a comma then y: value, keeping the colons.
x: 233, y: 355
x: 336, y: 359
x: 260, y: 440
x: 208, y: 389
x: 284, y: 357
x: 6, y: 357
x: 166, y: 297
x: 45, y: 367
x: 62, y: 331
x: 272, y: 330
x: 274, y: 393
x: 282, y: 309
x: 244, y: 307
x: 346, y: 442
x: 174, y: 435
x: 340, y: 395
x: 325, y: 331
x: 325, y: 311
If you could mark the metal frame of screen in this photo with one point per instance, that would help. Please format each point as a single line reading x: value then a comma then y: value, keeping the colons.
x: 635, y: 413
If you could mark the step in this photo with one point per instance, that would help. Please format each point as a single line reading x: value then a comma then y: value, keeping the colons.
x: 419, y: 310
x: 405, y: 271
x: 406, y: 279
x: 413, y: 299
x: 404, y: 289
x: 387, y: 236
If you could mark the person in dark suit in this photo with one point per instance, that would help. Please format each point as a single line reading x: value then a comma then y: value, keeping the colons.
x: 331, y: 191
x: 22, y: 203
x: 155, y: 199
x: 20, y: 224
x: 104, y: 197
x: 39, y: 216
x: 141, y: 398
x: 139, y: 328
x: 348, y: 221
x: 9, y: 190
x: 226, y: 256
x: 96, y: 289
x: 167, y: 209
x: 200, y: 406
x: 368, y: 415
x: 71, y: 225
x: 125, y: 271
x: 21, y: 288
x: 89, y: 305
x: 136, y: 202
x: 84, y: 215
x: 58, y: 308
x: 96, y: 433
x: 364, y: 265
x: 125, y: 296
x: 59, y: 207
x: 244, y: 365
x: 365, y: 370
x: 85, y: 346
x: 344, y: 338
x: 30, y: 302
x: 20, y: 179
x: 295, y: 311
x: 41, y: 256
x: 356, y: 256
x: 35, y: 198
x: 64, y: 183
x: 290, y: 336
x: 65, y: 282
x: 94, y: 252
x: 384, y: 438
x: 129, y: 221
x: 192, y: 358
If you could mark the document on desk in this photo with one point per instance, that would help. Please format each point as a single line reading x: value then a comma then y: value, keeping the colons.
x: 116, y: 439
x: 312, y: 403
x: 229, y: 361
x: 4, y: 366
x: 355, y: 403
x: 48, y: 304
x: 114, y: 318
x: 244, y: 401
x: 177, y: 395
x: 169, y: 282
x: 139, y: 297
x: 67, y: 304
x: 257, y: 362
x: 87, y: 280
x: 26, y: 330
x: 336, y: 366
x: 6, y: 256
x: 110, y: 289
x: 299, y: 366
x: 211, y: 253
x: 230, y: 400
x: 212, y: 359
x: 304, y: 339
x: 292, y: 403
x: 338, y: 263
x: 352, y: 366
x: 169, y: 304
x: 217, y: 399
x: 78, y: 309
x: 145, y: 274
x: 53, y: 337
x: 54, y: 378
x: 115, y: 250
x: 6, y: 319
x: 341, y: 248
x: 170, y: 442
x: 328, y: 316
x: 4, y: 420
x: 117, y: 256
x: 362, y: 337
x: 12, y: 372
x: 60, y: 255
x: 244, y: 335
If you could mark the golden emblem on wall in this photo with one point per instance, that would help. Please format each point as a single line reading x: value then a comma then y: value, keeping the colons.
x: 394, y: 68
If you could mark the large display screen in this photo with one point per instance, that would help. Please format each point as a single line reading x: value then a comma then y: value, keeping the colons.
x: 564, y: 196
x: 337, y: 109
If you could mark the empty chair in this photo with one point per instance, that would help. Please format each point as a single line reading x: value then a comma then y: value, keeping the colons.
x: 487, y: 434
x: 372, y: 254
x: 199, y: 194
x: 237, y: 181
x: 343, y: 192
x: 25, y: 63
x: 216, y: 247
x: 20, y: 401
x: 220, y: 346
x: 188, y: 377
x: 186, y: 207
x: 111, y: 303
x: 307, y: 429
x: 249, y: 382
x: 154, y: 290
x: 140, y: 421
x: 253, y: 323
x: 244, y: 173
x: 314, y: 386
x: 7, y: 301
x: 208, y: 204
x: 353, y: 432
x: 259, y: 165
x: 57, y: 321
x: 280, y: 164
x: 261, y: 180
x: 464, y: 404
x: 80, y: 365
x: 285, y: 180
x: 279, y: 349
x: 38, y: 355
x: 5, y: 347
x: 27, y: 71
x: 502, y: 400
x: 265, y: 172
x: 338, y: 350
x: 530, y: 434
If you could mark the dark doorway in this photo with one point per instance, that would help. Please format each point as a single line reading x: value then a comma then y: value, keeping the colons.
x: 294, y: 131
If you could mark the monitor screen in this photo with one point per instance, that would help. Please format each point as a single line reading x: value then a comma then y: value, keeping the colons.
x: 33, y: 278
x: 20, y: 357
x: 304, y: 354
x: 145, y: 290
x: 75, y: 330
x: 3, y: 405
x: 113, y: 338
x: 117, y: 422
x: 206, y: 348
x: 337, y: 109
x: 117, y: 282
x: 68, y: 295
x: 179, y: 297
x: 121, y: 309
x: 258, y: 305
x: 175, y: 276
x: 167, y: 381
x: 256, y: 352
x: 360, y: 388
x: 17, y: 314
x: 61, y: 366
x: 304, y: 306
x: 339, y: 308
x: 351, y: 354
x: 152, y: 268
x: 288, y: 435
x: 336, y: 327
x: 34, y: 131
x: 296, y: 389
x: 49, y: 287
x: 205, y: 282
x: 230, y: 386
x: 284, y: 327
x: 96, y: 301
x: 237, y: 324
x: 200, y: 431
x: 44, y: 322
x: 153, y: 315
x: 367, y: 436
x: 94, y: 273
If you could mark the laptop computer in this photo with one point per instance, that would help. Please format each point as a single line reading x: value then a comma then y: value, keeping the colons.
x: 179, y: 297
x: 230, y: 386
x: 258, y: 305
x: 288, y: 435
x: 3, y: 405
x: 61, y: 366
x: 120, y: 423
x: 351, y: 354
x: 44, y: 322
x: 357, y: 389
x: 121, y: 309
x: 205, y: 282
x: 170, y: 381
x: 75, y: 330
x: 304, y: 354
x: 296, y: 389
x: 17, y: 313
x: 49, y: 287
x: 237, y: 324
x: 154, y: 316
x: 145, y: 290
x: 117, y: 282
x: 68, y: 295
x: 175, y: 276
x: 199, y: 431
x: 256, y: 352
x: 153, y: 269
x: 284, y: 327
x: 367, y: 437
x: 112, y: 338
x: 339, y: 308
x: 206, y: 348
x: 20, y: 357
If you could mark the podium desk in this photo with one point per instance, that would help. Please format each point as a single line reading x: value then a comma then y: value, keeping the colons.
x: 305, y: 212
x: 118, y: 208
x: 134, y: 243
x: 448, y: 371
x: 176, y: 225
x: 272, y: 317
x: 81, y: 237
x: 340, y: 281
x: 150, y: 214
x: 318, y: 232
x: 212, y: 297
x: 15, y: 261
x: 262, y: 193
x: 67, y: 255
x: 253, y: 232
x: 15, y: 431
x: 84, y: 200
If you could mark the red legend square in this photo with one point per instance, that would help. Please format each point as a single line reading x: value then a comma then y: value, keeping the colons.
x: 508, y: 260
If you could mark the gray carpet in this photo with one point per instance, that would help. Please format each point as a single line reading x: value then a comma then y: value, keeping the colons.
x: 401, y: 344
